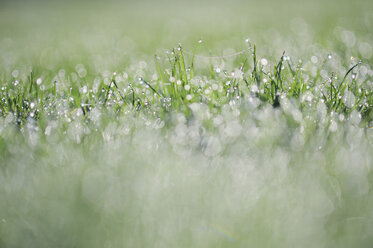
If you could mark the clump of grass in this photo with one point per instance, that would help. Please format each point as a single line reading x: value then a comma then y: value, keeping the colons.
x: 176, y: 87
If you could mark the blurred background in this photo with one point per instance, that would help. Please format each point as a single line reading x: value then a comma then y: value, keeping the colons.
x: 46, y: 32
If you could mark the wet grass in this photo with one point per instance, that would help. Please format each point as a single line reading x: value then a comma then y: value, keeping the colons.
x: 109, y: 138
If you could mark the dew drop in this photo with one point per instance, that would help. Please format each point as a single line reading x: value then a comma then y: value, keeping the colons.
x: 39, y: 81
x: 264, y: 62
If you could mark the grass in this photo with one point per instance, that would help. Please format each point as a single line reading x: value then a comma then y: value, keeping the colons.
x: 109, y: 138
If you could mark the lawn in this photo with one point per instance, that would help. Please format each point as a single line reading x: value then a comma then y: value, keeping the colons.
x: 186, y: 123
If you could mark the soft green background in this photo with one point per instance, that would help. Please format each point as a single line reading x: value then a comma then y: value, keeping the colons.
x: 48, y: 32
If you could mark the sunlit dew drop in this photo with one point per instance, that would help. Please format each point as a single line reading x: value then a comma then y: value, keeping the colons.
x: 199, y: 41
x: 254, y: 88
x: 349, y: 98
x: 353, y: 75
x: 264, y: 62
x: 333, y: 126
x: 15, y: 83
x: 307, y: 96
x: 330, y: 56
x: 84, y: 89
x: 118, y: 78
x: 217, y: 70
x: 247, y: 40
x: 39, y: 81
x: 314, y: 59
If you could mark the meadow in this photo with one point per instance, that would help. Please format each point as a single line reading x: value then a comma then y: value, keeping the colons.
x: 186, y: 123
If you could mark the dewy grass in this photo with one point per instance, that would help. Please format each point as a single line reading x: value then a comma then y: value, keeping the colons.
x: 220, y: 143
x: 266, y: 138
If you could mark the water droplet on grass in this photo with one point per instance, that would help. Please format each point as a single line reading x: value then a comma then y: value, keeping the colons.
x: 333, y: 126
x: 264, y: 62
x: 84, y: 89
x: 39, y: 81
x: 314, y: 59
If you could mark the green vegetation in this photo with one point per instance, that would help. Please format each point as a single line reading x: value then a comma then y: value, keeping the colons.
x: 256, y: 130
